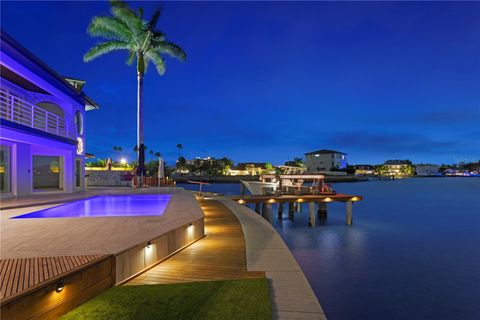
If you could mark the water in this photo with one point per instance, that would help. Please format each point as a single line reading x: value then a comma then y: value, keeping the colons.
x: 106, y: 206
x: 412, y: 252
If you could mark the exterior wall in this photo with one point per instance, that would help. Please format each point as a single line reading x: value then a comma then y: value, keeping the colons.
x: 325, y: 161
x: 23, y: 143
x: 24, y: 146
x: 108, y: 178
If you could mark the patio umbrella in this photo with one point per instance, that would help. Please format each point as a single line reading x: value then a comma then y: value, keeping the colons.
x: 161, y: 169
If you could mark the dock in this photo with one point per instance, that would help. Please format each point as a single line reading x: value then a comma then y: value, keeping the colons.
x: 318, y: 203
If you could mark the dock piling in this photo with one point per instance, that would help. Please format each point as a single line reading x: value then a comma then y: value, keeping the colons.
x: 311, y: 211
x: 280, y: 210
x: 257, y: 207
x: 322, y: 210
x: 348, y: 213
x: 299, y: 206
x: 267, y: 212
x: 291, y: 210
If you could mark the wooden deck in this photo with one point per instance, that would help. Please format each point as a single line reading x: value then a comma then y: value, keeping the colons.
x: 218, y: 256
x: 339, y: 197
x: 18, y: 276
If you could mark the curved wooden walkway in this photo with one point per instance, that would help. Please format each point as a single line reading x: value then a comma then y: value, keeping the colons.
x: 220, y: 255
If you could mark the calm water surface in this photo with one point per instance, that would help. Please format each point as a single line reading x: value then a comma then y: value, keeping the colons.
x: 412, y: 252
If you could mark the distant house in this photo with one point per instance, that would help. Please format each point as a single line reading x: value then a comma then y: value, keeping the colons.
x: 325, y: 160
x: 247, y: 168
x: 396, y: 168
x: 364, y: 169
x: 427, y: 170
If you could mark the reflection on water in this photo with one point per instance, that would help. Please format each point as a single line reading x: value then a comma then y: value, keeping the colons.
x: 412, y: 252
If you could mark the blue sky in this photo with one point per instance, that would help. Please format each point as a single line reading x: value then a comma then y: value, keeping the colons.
x: 268, y: 81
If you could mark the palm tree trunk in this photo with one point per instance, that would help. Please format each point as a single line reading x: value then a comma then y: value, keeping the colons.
x: 140, y: 141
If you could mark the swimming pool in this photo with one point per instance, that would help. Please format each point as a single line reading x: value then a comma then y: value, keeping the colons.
x: 106, y: 206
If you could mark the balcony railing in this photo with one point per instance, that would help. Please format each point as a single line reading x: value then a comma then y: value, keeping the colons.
x: 17, y: 110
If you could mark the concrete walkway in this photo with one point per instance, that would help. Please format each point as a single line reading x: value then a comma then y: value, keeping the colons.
x: 291, y: 294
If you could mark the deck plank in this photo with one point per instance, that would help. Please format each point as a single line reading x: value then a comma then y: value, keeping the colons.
x: 18, y: 275
x: 220, y: 255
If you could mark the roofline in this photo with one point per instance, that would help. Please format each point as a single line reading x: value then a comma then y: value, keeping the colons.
x: 320, y: 151
x: 74, y: 94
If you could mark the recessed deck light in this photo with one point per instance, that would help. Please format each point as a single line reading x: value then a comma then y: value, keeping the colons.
x: 59, y: 286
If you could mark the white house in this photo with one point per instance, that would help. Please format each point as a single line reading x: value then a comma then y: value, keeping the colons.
x: 325, y: 160
x: 42, y: 125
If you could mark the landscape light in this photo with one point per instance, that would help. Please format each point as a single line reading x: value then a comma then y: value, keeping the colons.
x: 123, y: 161
x: 59, y: 286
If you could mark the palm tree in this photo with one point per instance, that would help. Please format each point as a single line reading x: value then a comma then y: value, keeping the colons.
x: 126, y: 30
x: 158, y: 154
x: 179, y: 147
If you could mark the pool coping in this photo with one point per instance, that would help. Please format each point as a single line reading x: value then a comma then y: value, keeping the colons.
x: 291, y: 295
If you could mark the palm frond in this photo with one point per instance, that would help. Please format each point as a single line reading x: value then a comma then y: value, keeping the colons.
x: 154, y: 20
x: 157, y: 61
x: 134, y: 23
x: 105, y: 47
x: 170, y: 49
x: 131, y: 57
x: 110, y: 28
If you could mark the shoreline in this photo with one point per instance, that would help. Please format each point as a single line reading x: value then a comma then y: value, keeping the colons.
x: 236, y: 179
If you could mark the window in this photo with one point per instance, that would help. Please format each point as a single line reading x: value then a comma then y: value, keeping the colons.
x: 47, y: 173
x: 5, y: 168
x: 79, y: 122
x: 78, y: 173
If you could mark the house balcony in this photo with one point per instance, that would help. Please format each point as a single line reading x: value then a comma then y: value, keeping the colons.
x: 20, y: 111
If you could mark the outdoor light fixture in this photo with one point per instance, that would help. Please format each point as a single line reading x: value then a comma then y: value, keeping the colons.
x: 149, y: 244
x: 190, y: 226
x: 123, y: 161
x: 241, y: 201
x: 59, y: 286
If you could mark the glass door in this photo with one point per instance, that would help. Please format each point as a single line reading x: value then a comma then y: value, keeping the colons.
x: 47, y: 173
x: 5, y: 169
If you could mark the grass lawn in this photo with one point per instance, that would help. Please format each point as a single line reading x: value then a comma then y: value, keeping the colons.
x: 229, y: 300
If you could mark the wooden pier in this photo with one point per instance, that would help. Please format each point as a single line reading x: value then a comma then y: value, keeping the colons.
x: 263, y: 204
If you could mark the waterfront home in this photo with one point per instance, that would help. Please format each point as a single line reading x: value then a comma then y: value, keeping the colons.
x: 364, y: 169
x: 248, y: 168
x: 396, y: 168
x: 427, y: 170
x: 325, y: 160
x: 42, y: 122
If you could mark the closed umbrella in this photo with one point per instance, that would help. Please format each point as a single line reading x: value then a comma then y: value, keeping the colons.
x: 161, y: 170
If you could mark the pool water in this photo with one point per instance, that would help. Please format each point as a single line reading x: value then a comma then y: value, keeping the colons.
x: 106, y: 206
